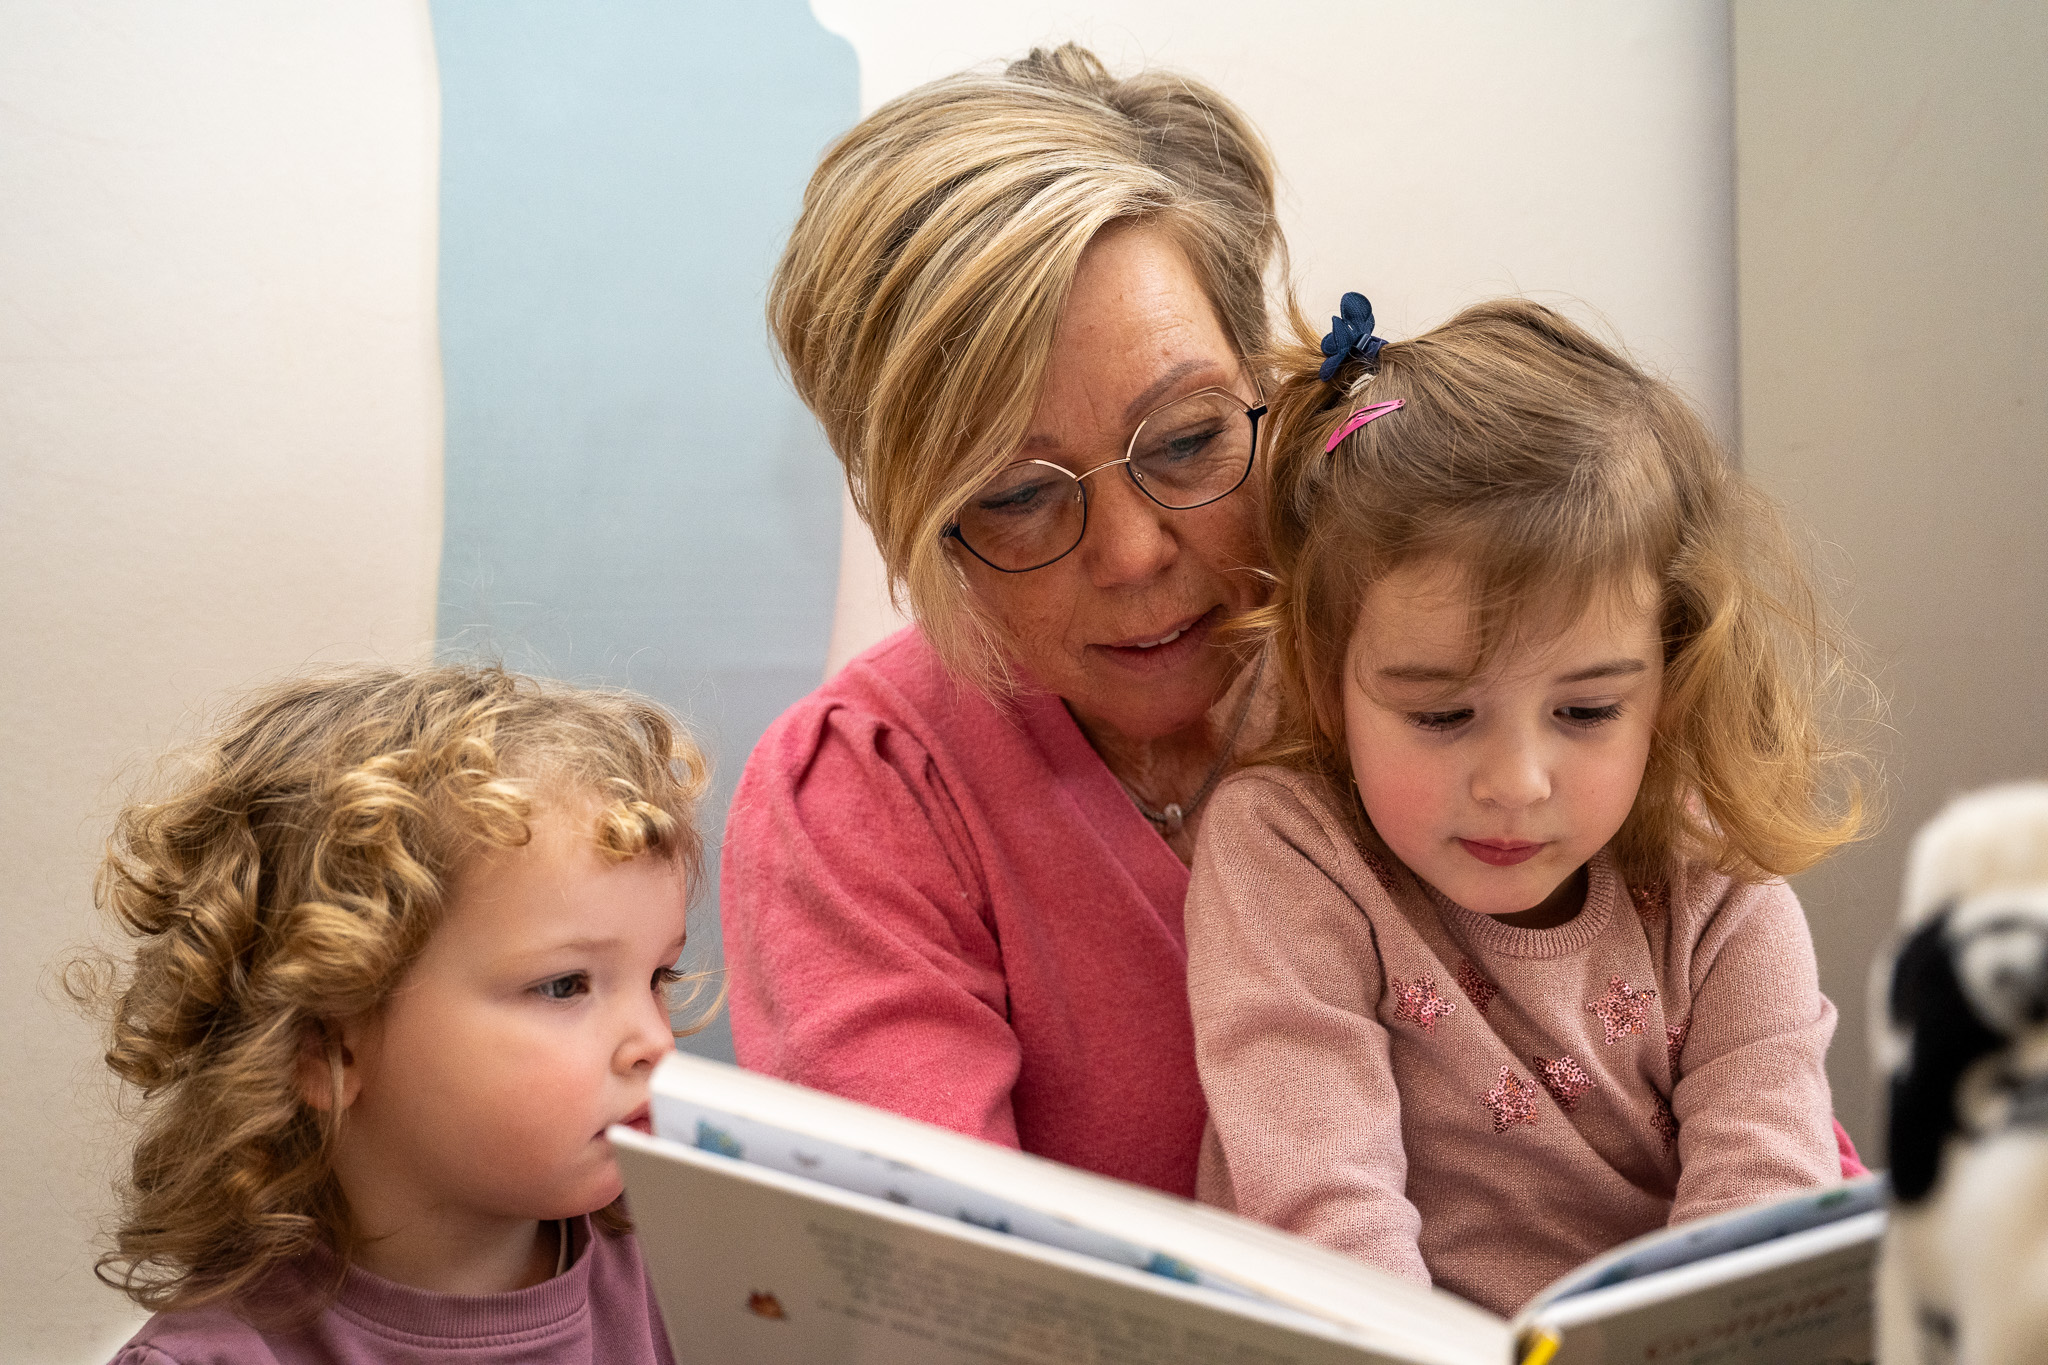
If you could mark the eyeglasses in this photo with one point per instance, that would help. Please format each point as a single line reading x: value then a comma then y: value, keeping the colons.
x: 1187, y: 454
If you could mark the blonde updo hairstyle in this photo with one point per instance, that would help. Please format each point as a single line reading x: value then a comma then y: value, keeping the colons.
x: 916, y: 301
x: 288, y: 880
x: 1550, y: 471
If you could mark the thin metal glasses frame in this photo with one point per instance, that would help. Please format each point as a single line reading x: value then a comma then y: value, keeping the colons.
x: 1253, y: 412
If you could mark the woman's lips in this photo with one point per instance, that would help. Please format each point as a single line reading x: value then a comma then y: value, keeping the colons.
x: 1167, y: 650
x: 1500, y: 852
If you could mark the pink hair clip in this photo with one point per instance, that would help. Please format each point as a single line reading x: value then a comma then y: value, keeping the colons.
x: 1358, y: 418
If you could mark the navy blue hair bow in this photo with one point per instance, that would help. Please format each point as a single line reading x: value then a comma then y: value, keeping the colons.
x: 1350, y: 335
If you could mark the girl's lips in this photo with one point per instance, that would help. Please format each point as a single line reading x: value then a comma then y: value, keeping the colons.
x: 641, y: 1120
x: 1500, y: 852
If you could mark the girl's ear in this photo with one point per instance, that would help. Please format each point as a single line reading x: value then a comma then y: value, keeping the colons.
x: 328, y: 1077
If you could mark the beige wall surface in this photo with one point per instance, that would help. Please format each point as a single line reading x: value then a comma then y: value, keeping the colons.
x: 1430, y: 155
x: 1892, y: 229
x: 220, y: 421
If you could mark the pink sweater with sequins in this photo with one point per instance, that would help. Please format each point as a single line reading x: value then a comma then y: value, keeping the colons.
x: 1460, y: 1101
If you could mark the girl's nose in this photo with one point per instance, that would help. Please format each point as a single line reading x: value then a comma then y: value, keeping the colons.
x: 1511, y: 773
x: 1128, y: 540
x: 648, y: 1038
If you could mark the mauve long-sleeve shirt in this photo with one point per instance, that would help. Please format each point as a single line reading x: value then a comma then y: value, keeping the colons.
x: 1461, y: 1101
x: 950, y: 908
x: 600, y: 1311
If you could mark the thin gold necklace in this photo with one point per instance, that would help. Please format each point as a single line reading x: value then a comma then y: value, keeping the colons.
x: 1174, y: 818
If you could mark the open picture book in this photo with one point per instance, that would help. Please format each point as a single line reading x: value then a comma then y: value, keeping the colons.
x: 784, y: 1225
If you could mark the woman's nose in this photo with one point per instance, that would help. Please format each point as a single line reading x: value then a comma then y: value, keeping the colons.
x: 1128, y: 540
x: 1511, y: 772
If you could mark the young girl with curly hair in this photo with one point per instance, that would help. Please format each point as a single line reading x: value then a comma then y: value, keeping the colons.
x: 1491, y: 959
x: 405, y: 943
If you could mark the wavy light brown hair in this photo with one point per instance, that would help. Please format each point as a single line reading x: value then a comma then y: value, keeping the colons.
x: 289, y: 879
x: 916, y: 301
x: 1550, y: 470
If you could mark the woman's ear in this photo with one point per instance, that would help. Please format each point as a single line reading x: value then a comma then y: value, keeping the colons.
x: 328, y: 1077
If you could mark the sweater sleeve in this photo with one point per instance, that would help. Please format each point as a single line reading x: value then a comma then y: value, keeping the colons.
x: 859, y: 957
x: 1755, y: 1120
x: 1283, y: 978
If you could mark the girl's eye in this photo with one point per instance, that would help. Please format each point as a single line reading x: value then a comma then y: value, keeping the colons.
x: 666, y: 976
x: 566, y: 987
x: 1439, y: 720
x: 1589, y: 716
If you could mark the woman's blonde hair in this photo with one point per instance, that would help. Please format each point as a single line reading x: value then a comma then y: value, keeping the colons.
x: 1550, y: 471
x: 287, y: 882
x: 916, y: 301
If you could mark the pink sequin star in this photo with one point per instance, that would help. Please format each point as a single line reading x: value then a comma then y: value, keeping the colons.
x: 1664, y: 1123
x: 1477, y: 988
x: 1623, y: 1010
x: 1674, y: 1041
x: 1652, y: 900
x: 1419, y: 1002
x: 1565, y: 1079
x: 1512, y: 1101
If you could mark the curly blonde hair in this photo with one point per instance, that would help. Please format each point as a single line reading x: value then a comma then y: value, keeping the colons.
x: 290, y: 879
x: 1550, y: 469
x: 916, y: 301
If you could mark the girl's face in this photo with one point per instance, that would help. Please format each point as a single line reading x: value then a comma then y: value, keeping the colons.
x: 1497, y: 791
x: 530, y: 1023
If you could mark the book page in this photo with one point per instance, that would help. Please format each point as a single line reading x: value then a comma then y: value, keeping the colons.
x: 1172, y: 1237
x: 752, y: 1265
x: 1803, y: 1299
x: 848, y: 1168
x: 1703, y: 1238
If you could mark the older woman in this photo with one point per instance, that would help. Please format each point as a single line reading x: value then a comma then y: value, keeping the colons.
x: 1020, y: 305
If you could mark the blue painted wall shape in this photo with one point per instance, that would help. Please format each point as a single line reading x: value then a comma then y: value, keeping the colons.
x: 633, y: 494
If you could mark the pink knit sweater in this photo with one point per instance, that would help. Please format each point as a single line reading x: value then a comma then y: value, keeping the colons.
x: 952, y: 910
x: 1457, y: 1100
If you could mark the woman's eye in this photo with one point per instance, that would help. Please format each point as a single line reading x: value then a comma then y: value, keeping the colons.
x: 1018, y: 499
x: 1589, y: 715
x: 1439, y: 720
x: 1178, y: 448
x: 566, y: 987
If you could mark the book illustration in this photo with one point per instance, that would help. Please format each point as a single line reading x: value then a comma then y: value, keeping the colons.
x: 711, y: 1138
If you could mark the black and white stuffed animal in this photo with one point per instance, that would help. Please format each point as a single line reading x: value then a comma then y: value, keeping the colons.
x: 1965, y: 1269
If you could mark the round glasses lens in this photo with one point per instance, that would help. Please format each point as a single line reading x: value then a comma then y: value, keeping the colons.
x: 1193, y: 451
x: 1029, y: 514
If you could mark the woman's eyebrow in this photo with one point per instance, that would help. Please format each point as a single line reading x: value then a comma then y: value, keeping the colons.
x: 1141, y: 406
x: 1149, y: 399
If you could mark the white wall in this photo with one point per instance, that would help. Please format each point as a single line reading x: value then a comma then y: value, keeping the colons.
x: 1894, y: 280
x: 219, y: 458
x: 1431, y: 155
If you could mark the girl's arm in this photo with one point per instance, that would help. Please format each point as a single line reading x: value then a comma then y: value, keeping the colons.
x: 1284, y: 979
x: 1755, y: 1119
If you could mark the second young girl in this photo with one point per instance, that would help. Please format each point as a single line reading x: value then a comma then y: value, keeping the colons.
x: 404, y: 944
x: 1491, y: 961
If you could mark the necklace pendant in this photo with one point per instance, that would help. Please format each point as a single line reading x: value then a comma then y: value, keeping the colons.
x: 1172, y: 818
